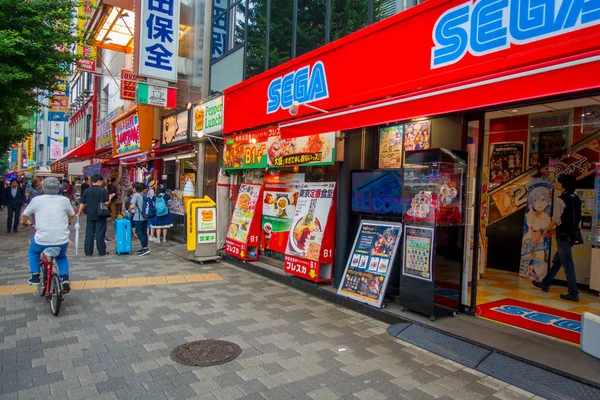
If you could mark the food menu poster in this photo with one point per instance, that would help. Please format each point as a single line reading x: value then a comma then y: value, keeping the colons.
x: 390, y: 146
x: 305, y: 150
x: 418, y: 251
x: 278, y: 207
x: 247, y: 150
x: 310, y: 219
x: 245, y: 207
x: 371, y: 261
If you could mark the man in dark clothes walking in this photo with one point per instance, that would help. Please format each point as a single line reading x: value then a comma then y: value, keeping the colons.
x: 15, y: 198
x: 96, y: 224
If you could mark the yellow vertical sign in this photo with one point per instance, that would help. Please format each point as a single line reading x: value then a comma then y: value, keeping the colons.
x: 87, y: 52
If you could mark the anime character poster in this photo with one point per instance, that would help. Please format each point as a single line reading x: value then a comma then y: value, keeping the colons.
x: 535, y: 247
x: 506, y: 162
x: 57, y: 138
x: 417, y: 136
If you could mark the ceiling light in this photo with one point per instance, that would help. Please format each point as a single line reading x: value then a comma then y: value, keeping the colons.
x: 253, y: 140
x: 515, y: 110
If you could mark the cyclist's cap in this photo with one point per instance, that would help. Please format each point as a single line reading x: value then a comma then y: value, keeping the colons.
x: 51, y: 185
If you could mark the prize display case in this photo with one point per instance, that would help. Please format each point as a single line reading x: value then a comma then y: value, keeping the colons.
x: 433, y: 244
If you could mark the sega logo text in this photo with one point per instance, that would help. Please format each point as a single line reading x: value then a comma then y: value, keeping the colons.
x: 542, y: 318
x: 487, y: 26
x: 302, y: 85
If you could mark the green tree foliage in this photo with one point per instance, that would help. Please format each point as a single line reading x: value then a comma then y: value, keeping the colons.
x: 347, y: 16
x: 35, y: 41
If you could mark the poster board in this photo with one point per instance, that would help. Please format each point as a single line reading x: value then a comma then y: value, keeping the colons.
x: 279, y: 201
x: 309, y: 251
x: 370, y: 263
x: 390, y: 146
x: 418, y: 252
x: 244, y: 228
x: 318, y: 149
x: 417, y: 136
x: 506, y: 161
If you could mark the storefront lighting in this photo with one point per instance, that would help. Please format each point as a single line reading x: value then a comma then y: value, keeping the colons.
x: 296, y: 105
x: 253, y: 140
x: 189, y: 105
x: 419, y: 119
x: 515, y: 111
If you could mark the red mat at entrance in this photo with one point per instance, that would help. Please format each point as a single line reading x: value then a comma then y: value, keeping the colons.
x: 548, y: 321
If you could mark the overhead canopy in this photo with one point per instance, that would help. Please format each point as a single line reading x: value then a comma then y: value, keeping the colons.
x: 82, y: 152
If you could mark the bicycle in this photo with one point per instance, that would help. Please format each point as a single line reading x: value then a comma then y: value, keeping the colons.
x: 51, y: 285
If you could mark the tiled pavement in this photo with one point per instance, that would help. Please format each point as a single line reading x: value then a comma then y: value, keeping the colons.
x: 114, y: 343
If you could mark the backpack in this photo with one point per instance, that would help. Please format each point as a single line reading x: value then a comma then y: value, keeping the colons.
x: 148, y: 210
x: 161, y: 207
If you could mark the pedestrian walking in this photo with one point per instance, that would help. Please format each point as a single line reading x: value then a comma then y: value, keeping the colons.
x: 15, y: 198
x: 95, y: 203
x: 85, y: 185
x: 565, y: 225
x: 163, y: 219
x: 139, y: 221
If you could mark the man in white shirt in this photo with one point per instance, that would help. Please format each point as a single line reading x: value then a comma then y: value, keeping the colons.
x: 52, y: 216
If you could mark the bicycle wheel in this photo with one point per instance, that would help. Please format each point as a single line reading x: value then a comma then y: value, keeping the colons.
x: 56, y: 293
x: 42, y: 286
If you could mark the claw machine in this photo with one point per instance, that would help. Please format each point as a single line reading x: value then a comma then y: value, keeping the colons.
x: 433, y: 241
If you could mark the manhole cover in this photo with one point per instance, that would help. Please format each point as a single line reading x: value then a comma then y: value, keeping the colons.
x: 205, y: 353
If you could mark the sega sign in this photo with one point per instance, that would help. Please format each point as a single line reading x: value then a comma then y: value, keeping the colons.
x: 488, y: 26
x: 302, y: 85
x: 542, y: 318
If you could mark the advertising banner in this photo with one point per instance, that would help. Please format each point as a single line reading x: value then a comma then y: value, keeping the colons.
x: 87, y: 62
x: 535, y: 248
x: 208, y: 117
x: 309, y: 240
x: 128, y: 85
x: 159, y: 96
x: 243, y: 231
x: 390, y: 146
x: 59, y: 104
x: 104, y: 131
x: 175, y: 128
x: 30, y: 150
x: 57, y: 139
x: 126, y: 134
x: 548, y: 134
x: 306, y: 150
x: 159, y: 39
x: 417, y: 136
x: 248, y: 150
x: 506, y: 162
x: 371, y: 260
x: 279, y: 204
x: 418, y: 252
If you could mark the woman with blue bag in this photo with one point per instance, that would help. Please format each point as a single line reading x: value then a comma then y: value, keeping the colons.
x: 163, y: 219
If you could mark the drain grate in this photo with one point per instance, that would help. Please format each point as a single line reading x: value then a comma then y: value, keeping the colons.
x: 204, y: 353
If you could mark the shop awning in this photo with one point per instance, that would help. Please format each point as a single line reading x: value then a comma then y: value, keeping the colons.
x: 82, y: 152
x: 550, y: 78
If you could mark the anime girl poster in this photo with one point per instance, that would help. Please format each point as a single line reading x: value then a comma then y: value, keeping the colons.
x: 535, y: 247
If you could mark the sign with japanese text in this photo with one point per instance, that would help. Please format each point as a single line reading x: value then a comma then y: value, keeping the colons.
x: 371, y: 260
x: 390, y: 146
x: 219, y: 29
x: 128, y: 83
x: 310, y: 243
x: 305, y: 150
x: 244, y: 229
x: 278, y: 207
x: 126, y: 134
x: 159, y: 39
x: 418, y: 252
x: 30, y: 149
x: 208, y: 117
x: 87, y: 62
x: 104, y: 131
x: 248, y: 150
x: 59, y: 104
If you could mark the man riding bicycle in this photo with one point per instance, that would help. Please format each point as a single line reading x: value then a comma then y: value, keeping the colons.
x: 52, y: 216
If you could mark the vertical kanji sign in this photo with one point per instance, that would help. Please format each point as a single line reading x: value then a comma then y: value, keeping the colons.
x: 159, y: 39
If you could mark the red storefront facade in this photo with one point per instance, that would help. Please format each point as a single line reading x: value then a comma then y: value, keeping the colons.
x: 440, y: 59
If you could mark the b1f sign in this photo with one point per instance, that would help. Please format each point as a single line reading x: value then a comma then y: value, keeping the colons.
x: 303, y: 85
x: 159, y: 39
x: 488, y: 26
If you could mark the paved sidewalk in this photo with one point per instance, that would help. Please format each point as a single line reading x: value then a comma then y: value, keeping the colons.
x: 114, y: 343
